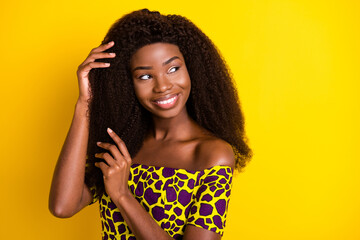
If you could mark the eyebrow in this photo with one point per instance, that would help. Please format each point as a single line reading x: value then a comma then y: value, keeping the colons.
x: 149, y: 67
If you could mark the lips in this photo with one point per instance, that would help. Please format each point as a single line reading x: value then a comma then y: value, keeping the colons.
x: 167, y: 101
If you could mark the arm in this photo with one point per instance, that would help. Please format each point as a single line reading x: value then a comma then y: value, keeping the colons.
x: 144, y: 226
x: 69, y: 193
x: 140, y: 222
x: 214, y: 152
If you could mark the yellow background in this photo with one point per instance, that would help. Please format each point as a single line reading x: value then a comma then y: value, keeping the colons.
x: 296, y: 64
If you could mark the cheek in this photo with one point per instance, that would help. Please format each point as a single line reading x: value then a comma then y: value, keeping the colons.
x: 185, y: 79
x: 141, y: 92
x: 138, y: 92
x: 185, y: 82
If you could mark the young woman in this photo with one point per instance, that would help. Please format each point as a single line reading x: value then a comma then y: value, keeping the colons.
x: 156, y: 134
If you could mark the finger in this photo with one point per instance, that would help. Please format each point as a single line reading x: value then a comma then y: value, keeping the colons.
x: 103, y: 47
x: 99, y: 55
x: 86, y: 68
x: 121, y: 145
x: 102, y: 166
x: 107, y: 157
x: 112, y: 148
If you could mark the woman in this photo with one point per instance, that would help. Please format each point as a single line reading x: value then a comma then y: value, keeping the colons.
x: 159, y: 122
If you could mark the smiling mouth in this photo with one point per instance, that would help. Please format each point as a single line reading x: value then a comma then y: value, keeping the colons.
x: 167, y: 103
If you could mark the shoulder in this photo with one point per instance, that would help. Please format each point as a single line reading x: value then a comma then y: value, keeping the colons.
x: 213, y: 151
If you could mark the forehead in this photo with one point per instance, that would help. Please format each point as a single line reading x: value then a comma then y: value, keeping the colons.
x: 155, y: 53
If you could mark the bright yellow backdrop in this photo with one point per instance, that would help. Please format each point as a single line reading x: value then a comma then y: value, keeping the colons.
x: 296, y: 64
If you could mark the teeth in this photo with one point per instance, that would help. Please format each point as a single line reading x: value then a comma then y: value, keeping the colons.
x: 166, y: 101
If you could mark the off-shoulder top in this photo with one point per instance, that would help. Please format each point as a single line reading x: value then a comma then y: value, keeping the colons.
x: 174, y: 198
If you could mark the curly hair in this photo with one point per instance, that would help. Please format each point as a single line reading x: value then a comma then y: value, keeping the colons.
x: 213, y: 102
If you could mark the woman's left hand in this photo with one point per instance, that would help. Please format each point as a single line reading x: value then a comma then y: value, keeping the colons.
x: 116, y: 171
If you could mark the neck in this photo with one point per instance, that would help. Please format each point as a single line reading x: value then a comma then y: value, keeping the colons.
x: 176, y: 128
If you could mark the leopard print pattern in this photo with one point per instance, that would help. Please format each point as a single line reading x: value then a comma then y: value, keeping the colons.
x: 174, y: 198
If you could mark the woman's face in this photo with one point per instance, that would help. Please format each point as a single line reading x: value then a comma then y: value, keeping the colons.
x: 161, y: 80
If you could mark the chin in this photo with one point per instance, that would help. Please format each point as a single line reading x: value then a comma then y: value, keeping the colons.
x: 169, y: 113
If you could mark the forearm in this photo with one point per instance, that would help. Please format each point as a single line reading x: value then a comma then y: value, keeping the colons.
x: 139, y: 220
x: 68, y: 179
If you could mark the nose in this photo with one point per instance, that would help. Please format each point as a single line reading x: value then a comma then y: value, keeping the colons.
x: 162, y: 84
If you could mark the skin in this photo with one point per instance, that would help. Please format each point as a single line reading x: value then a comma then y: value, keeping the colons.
x: 175, y: 141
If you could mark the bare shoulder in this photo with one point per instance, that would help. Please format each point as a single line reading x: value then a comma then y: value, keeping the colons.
x: 213, y: 151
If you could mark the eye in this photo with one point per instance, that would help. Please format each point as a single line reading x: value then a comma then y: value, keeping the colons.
x: 173, y: 69
x: 145, y: 77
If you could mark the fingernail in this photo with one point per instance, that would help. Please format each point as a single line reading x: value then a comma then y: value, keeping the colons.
x: 109, y: 130
x: 98, y: 143
x: 111, y: 42
x: 107, y: 64
x: 112, y: 54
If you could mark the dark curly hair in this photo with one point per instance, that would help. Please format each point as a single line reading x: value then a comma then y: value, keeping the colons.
x: 213, y: 102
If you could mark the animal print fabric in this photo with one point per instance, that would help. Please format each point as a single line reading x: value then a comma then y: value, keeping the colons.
x: 174, y: 198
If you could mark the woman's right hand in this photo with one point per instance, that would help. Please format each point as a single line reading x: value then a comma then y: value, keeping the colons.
x: 89, y: 63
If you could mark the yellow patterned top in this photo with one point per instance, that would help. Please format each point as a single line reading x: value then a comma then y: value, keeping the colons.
x: 174, y: 198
